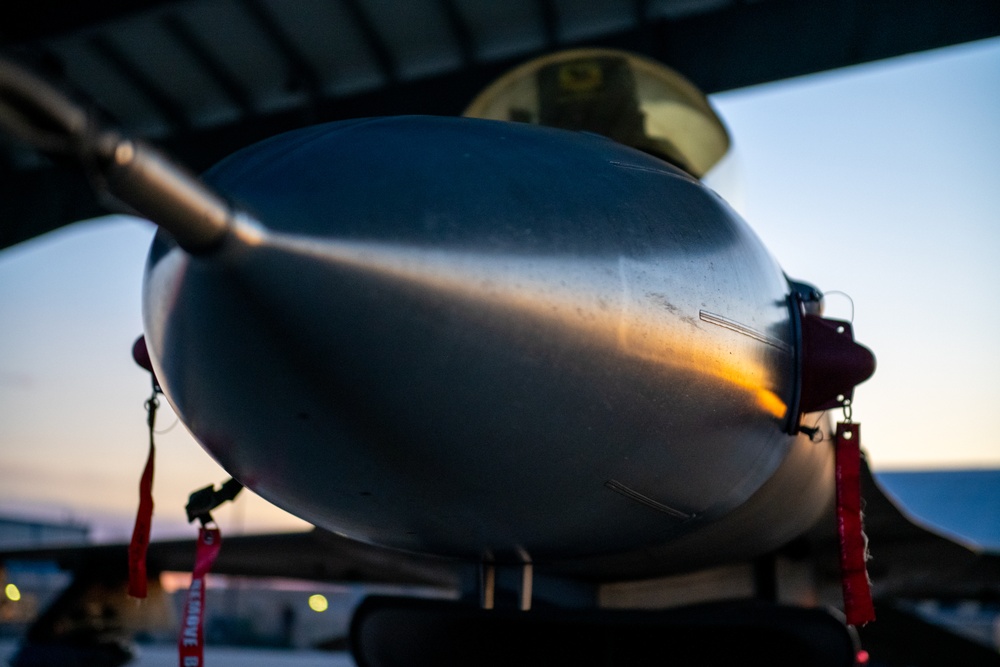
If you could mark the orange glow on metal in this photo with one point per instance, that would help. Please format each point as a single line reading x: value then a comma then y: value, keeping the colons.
x: 544, y: 289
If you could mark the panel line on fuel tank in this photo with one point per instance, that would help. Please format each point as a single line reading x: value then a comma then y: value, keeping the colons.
x: 733, y: 325
x: 632, y: 494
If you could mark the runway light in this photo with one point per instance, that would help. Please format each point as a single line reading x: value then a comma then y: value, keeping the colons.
x: 318, y: 602
x: 13, y: 594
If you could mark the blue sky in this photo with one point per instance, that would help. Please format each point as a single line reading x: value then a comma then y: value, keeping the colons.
x: 882, y: 181
x: 879, y: 180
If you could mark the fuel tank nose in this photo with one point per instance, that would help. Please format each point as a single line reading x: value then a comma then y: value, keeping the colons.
x: 833, y: 364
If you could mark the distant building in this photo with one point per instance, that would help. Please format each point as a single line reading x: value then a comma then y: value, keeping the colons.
x: 21, y: 533
x: 34, y: 584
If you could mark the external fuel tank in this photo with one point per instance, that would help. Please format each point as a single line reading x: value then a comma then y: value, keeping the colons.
x: 475, y: 338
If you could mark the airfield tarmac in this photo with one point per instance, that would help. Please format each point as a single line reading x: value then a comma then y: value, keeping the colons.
x: 166, y: 656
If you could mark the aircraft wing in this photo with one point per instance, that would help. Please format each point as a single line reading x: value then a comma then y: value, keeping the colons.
x: 909, y: 564
x: 910, y: 561
x: 316, y: 555
x: 202, y: 79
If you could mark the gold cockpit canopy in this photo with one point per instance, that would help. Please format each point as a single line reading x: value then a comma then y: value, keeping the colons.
x: 633, y: 100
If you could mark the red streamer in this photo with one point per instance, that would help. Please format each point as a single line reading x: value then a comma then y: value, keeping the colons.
x: 140, y: 533
x: 858, y: 606
x: 191, y: 643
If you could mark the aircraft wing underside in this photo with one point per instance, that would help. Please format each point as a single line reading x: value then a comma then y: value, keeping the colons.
x: 203, y: 79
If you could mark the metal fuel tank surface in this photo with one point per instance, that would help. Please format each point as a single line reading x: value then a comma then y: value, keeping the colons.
x: 447, y: 331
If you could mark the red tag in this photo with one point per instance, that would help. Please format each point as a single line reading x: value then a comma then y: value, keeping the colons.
x: 140, y: 533
x: 191, y: 643
x: 858, y: 605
